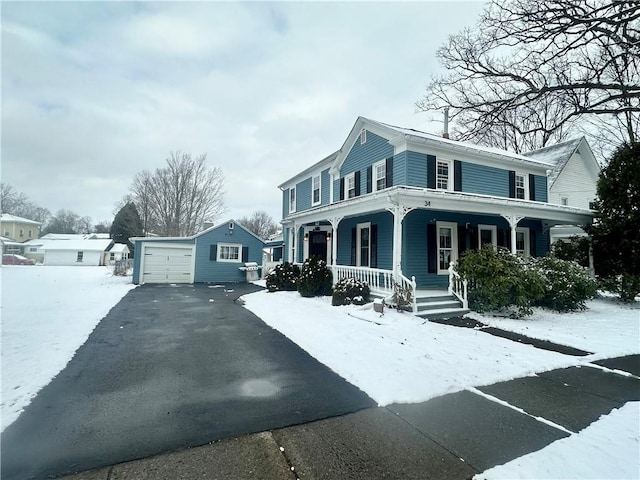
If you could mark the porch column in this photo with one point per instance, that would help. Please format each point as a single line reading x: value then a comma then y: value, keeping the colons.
x: 513, y: 223
x: 398, y: 213
x: 335, y: 221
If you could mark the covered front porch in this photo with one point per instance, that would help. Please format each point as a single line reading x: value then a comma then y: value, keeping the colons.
x: 412, y: 236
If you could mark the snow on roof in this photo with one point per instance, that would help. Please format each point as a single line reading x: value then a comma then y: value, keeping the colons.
x: 5, y: 217
x: 118, y: 247
x: 456, y: 143
x: 556, y: 155
x: 69, y: 244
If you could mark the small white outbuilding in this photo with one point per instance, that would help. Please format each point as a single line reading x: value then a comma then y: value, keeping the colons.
x: 76, y: 252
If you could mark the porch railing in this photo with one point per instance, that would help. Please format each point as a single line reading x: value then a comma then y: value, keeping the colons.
x: 458, y: 286
x: 411, y: 285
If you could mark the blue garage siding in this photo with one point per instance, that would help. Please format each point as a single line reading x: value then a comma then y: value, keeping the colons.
x: 384, y: 220
x: 208, y: 271
x: 485, y: 180
x: 138, y: 249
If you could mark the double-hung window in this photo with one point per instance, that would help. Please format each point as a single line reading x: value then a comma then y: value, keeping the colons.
x: 315, y: 189
x: 350, y: 181
x: 292, y: 199
x: 444, y: 175
x: 80, y: 257
x: 229, y: 252
x: 447, y: 245
x: 379, y: 175
x: 521, y: 186
x: 522, y: 241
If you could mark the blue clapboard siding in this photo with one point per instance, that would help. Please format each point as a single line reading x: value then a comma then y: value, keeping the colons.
x: 138, y: 248
x: 325, y: 187
x: 384, y: 221
x: 285, y: 252
x: 541, y: 188
x: 416, y: 167
x: 285, y: 203
x: 208, y: 271
x: 362, y: 155
x: 400, y: 168
x: 542, y: 238
x: 303, y: 195
x: 485, y: 180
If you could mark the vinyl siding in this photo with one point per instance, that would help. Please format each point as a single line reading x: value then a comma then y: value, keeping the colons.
x: 485, y: 180
x: 285, y: 203
x: 384, y: 221
x: 416, y: 168
x: 208, y: 271
x: 325, y: 187
x: 400, y: 169
x: 303, y: 195
x: 362, y: 155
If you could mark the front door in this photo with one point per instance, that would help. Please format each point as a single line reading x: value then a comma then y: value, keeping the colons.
x: 318, y: 245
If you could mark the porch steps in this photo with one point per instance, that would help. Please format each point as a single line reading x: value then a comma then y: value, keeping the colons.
x: 439, y: 307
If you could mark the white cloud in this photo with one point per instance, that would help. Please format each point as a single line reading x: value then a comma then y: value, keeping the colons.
x: 104, y: 90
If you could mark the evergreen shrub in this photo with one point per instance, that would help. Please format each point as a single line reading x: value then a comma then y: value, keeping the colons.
x: 315, y: 278
x: 567, y: 285
x: 283, y: 277
x: 350, y: 291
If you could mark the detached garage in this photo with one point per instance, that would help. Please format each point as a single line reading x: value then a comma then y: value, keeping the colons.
x: 212, y: 256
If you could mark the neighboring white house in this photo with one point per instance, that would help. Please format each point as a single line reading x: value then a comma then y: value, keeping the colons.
x: 572, y: 181
x: 67, y: 251
x: 118, y: 251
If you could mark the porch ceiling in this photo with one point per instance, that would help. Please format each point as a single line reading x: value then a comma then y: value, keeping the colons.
x: 429, y: 199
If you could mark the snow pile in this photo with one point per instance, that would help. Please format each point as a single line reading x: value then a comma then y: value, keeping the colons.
x: 608, y: 448
x: 398, y: 358
x: 47, y: 314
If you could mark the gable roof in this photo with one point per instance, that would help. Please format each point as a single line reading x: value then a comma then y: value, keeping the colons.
x: 99, y: 245
x: 193, y: 237
x: 325, y: 162
x: 560, y: 154
x: 397, y: 134
x: 118, y: 248
x: 5, y: 217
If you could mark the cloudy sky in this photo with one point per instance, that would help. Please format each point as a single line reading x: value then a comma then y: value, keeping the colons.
x: 93, y: 92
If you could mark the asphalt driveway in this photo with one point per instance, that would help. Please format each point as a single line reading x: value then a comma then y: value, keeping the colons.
x: 171, y: 367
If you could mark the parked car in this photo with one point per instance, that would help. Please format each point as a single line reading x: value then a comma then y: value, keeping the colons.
x: 12, y: 259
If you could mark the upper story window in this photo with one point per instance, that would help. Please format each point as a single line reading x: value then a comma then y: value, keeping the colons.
x: 363, y: 136
x: 443, y: 175
x: 292, y: 199
x: 315, y: 189
x: 350, y: 181
x: 379, y: 175
x: 521, y: 186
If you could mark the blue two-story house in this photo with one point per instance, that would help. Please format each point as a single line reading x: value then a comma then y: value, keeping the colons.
x: 400, y: 205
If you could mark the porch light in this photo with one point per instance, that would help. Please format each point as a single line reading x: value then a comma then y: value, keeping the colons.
x: 328, y: 235
x: 306, y: 237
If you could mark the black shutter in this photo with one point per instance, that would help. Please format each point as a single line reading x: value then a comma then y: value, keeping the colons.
x: 473, y: 234
x: 532, y: 243
x: 213, y: 253
x: 374, y: 246
x: 432, y: 248
x: 245, y: 254
x: 532, y: 187
x: 342, y: 188
x: 462, y: 239
x: 354, y: 241
x: 388, y: 172
x: 431, y: 171
x: 369, y: 179
x: 502, y: 242
x: 457, y: 175
x: 512, y: 184
x: 357, y: 183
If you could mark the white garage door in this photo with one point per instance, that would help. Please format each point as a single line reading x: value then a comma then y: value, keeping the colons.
x: 168, y: 264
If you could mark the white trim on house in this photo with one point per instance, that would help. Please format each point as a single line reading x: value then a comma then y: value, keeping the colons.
x: 359, y: 228
x: 375, y: 169
x: 306, y: 233
x: 440, y: 162
x: 524, y: 188
x: 292, y: 200
x: 315, y: 202
x: 348, y: 179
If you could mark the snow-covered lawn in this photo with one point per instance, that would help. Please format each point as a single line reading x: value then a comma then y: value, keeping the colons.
x: 47, y: 313
x: 402, y: 358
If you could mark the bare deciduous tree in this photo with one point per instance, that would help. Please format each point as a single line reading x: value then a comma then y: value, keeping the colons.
x: 531, y: 69
x: 177, y: 199
x: 17, y: 203
x: 260, y: 223
x: 66, y: 221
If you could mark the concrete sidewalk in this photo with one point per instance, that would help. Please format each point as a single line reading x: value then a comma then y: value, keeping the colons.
x: 453, y: 437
